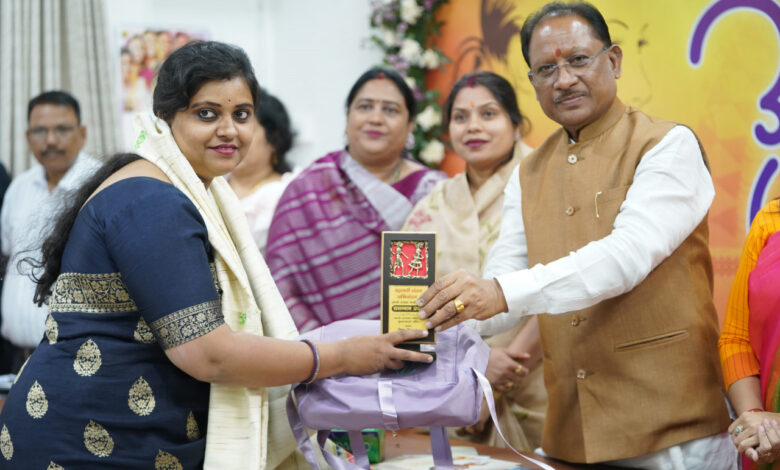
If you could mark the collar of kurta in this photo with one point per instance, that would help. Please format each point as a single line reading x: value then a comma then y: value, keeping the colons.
x: 604, y: 123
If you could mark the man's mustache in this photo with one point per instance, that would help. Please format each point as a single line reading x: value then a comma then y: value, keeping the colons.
x: 567, y: 94
x: 51, y: 151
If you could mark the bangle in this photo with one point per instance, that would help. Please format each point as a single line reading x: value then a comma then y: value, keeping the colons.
x: 753, y: 410
x: 316, y: 368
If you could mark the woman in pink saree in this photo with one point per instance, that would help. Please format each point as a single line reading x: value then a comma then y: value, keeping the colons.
x: 750, y: 343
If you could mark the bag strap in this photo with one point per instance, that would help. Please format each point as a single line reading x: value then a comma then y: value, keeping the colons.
x: 440, y: 448
x: 304, y: 443
x: 440, y: 444
x: 487, y: 392
x: 387, y: 405
x: 358, y: 448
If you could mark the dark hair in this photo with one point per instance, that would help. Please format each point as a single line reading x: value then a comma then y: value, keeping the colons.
x: 582, y: 9
x: 189, y: 67
x: 57, y: 97
x: 272, y: 115
x: 54, y: 245
x: 180, y: 77
x: 380, y: 73
x: 497, y: 85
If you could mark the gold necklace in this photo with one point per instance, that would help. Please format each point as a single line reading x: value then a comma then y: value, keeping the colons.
x: 274, y: 176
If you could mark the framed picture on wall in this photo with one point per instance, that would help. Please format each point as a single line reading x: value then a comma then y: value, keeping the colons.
x: 141, y: 51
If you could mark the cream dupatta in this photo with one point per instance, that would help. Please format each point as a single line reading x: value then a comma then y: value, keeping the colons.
x: 466, y: 224
x: 239, y: 434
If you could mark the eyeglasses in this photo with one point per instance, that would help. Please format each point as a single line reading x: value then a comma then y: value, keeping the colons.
x: 41, y: 133
x: 548, y: 73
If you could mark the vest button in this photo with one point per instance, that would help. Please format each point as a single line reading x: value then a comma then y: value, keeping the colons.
x: 573, y: 159
x: 575, y: 320
x: 581, y: 374
x: 569, y: 210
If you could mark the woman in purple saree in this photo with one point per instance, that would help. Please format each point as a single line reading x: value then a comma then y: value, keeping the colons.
x: 324, y: 242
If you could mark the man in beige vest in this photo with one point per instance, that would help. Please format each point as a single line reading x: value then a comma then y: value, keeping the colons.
x: 604, y: 232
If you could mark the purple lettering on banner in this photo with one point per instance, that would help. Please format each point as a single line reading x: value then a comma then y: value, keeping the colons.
x: 757, y: 197
x: 770, y: 101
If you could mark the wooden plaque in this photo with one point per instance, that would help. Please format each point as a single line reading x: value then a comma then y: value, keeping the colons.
x: 408, y: 269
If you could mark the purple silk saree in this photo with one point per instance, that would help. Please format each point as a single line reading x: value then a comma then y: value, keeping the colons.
x: 324, y: 242
x: 764, y: 325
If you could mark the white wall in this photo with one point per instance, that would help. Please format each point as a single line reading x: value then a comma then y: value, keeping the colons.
x: 306, y: 52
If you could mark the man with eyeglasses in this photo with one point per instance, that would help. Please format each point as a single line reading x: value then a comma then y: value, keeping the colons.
x: 604, y: 234
x: 55, y: 136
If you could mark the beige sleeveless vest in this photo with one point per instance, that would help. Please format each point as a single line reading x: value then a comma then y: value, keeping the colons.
x: 638, y: 372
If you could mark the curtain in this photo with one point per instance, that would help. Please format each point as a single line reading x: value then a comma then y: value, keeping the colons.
x: 55, y: 44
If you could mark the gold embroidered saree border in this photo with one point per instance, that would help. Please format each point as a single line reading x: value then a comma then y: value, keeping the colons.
x: 91, y: 293
x: 187, y: 324
x: 98, y: 293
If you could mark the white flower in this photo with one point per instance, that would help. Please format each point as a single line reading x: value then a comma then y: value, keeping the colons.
x: 430, y: 59
x: 387, y: 36
x: 410, y: 82
x: 433, y: 153
x: 411, y: 51
x: 410, y: 11
x: 428, y: 118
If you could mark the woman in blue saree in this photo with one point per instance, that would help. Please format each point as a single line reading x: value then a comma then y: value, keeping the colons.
x: 166, y: 331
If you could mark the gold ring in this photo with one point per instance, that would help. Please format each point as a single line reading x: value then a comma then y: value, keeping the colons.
x: 519, y: 370
x: 509, y: 385
x: 459, y: 307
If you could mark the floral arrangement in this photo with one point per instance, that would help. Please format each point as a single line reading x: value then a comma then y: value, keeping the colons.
x: 403, y: 29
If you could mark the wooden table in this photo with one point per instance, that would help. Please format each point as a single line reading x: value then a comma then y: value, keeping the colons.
x: 413, y: 441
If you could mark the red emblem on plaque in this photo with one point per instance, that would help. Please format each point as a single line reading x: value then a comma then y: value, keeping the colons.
x: 409, y: 259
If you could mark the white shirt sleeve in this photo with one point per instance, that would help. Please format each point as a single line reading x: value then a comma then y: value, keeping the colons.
x: 5, y: 223
x: 670, y: 195
x: 510, y: 252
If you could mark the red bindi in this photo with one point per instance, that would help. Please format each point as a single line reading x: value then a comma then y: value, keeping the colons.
x: 557, y: 52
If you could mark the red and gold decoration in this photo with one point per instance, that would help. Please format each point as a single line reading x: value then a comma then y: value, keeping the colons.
x: 408, y: 269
